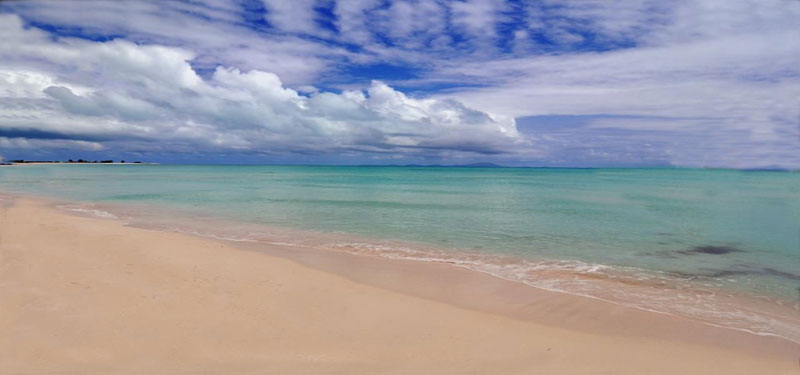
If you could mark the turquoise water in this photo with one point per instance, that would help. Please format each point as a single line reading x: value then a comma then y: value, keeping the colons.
x: 734, y: 230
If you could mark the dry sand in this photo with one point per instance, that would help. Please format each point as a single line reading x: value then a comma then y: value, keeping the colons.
x: 82, y: 295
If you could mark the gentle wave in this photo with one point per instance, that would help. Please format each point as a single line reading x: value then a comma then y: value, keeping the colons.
x: 86, y: 209
x: 649, y: 290
x: 638, y: 288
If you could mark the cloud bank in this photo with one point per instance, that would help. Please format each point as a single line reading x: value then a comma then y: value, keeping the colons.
x: 640, y: 82
x: 93, y: 95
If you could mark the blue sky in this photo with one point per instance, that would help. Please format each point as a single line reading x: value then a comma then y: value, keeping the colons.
x: 538, y: 83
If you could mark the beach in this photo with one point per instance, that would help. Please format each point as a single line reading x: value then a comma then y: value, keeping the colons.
x: 399, y: 187
x: 88, y: 295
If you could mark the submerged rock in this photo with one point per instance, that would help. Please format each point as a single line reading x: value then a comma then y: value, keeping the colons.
x: 711, y: 250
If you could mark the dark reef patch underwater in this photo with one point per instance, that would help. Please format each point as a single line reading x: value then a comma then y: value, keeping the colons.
x: 711, y: 250
x: 697, y: 250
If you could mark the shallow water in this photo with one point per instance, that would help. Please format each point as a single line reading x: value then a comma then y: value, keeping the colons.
x: 671, y: 240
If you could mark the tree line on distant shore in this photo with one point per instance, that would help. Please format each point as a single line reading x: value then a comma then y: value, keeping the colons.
x: 82, y: 161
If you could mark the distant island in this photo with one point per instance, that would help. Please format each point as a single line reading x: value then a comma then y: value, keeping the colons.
x: 70, y: 161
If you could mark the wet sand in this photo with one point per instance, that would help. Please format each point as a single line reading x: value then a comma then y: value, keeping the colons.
x: 86, y: 295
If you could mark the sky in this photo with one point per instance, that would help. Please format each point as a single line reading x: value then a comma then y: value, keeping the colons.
x: 590, y: 83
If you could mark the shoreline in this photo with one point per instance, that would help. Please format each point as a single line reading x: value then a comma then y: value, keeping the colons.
x: 752, y: 314
x: 314, y: 248
x: 459, y: 291
x: 474, y: 290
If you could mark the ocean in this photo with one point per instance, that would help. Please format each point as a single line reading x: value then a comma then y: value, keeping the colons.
x: 720, y: 246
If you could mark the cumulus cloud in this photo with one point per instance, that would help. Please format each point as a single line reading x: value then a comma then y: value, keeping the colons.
x: 689, y: 82
x: 121, y: 91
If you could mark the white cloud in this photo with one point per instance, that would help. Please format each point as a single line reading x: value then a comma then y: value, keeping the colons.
x: 22, y: 143
x: 719, y: 79
x: 351, y: 19
x: 723, y: 71
x: 414, y: 24
x: 478, y: 17
x: 24, y: 84
x: 607, y: 21
x: 213, y: 30
x: 292, y: 16
x: 151, y: 92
